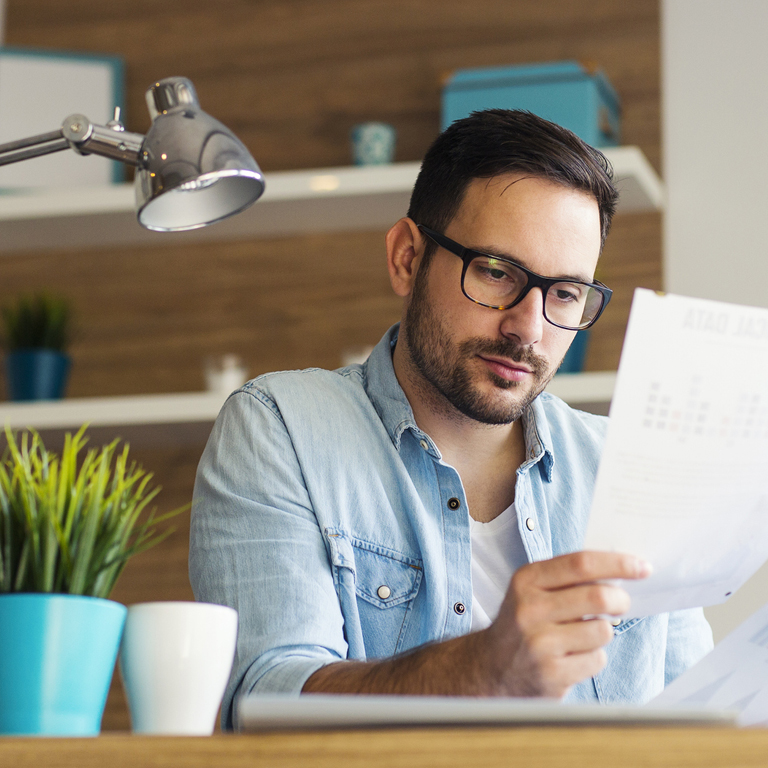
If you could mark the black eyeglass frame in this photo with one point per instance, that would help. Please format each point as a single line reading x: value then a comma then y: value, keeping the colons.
x: 534, y: 280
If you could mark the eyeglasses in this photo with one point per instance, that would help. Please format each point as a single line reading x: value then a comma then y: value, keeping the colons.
x: 501, y: 284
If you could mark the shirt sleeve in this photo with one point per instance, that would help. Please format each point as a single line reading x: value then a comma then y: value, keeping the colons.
x: 255, y: 545
x: 689, y: 638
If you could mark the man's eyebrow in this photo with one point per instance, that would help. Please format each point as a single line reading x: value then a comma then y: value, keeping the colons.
x: 497, y: 254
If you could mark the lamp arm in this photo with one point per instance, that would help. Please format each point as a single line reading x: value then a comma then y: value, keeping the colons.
x: 34, y: 146
x: 86, y: 138
x: 110, y: 140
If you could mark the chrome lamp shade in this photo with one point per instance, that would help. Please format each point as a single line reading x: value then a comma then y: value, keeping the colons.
x: 191, y: 170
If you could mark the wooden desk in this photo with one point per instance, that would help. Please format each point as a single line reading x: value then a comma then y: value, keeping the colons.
x: 406, y: 748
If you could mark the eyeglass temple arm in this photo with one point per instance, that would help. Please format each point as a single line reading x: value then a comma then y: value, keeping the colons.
x: 445, y: 242
x: 86, y: 138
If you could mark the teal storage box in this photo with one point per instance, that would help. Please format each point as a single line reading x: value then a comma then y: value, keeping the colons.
x: 566, y: 92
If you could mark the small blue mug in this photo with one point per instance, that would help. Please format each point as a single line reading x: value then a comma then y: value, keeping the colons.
x: 373, y: 143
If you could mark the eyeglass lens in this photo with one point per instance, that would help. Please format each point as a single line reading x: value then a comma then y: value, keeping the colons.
x: 498, y: 283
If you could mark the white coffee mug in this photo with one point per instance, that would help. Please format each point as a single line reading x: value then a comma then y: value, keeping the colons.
x: 175, y: 660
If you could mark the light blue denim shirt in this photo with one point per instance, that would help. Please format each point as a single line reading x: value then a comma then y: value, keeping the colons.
x: 317, y: 488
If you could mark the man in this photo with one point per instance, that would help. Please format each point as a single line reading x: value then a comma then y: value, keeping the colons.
x: 412, y: 525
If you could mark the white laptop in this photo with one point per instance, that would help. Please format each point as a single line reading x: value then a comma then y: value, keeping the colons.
x: 274, y: 712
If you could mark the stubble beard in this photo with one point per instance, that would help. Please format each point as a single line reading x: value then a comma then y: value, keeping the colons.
x: 444, y: 366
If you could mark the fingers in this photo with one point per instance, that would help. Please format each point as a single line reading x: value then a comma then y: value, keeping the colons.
x: 583, y: 567
x: 559, y: 674
x: 571, y: 654
x: 573, y: 638
x: 548, y: 663
x: 568, y: 604
x: 539, y: 638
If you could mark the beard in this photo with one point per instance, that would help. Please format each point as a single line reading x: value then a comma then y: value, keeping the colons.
x: 446, y: 365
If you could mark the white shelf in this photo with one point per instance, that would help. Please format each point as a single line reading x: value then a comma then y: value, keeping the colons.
x: 143, y: 420
x: 295, y: 202
x: 113, y: 411
x: 178, y: 418
x: 590, y: 391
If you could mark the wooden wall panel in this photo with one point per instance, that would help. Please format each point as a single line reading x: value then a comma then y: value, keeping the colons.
x: 631, y: 258
x: 291, y: 77
x: 147, y: 318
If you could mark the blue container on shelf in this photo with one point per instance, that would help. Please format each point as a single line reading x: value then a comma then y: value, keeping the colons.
x: 57, y: 656
x: 37, y: 374
x: 573, y: 362
x: 565, y: 92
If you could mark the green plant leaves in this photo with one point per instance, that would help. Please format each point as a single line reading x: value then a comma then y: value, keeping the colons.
x: 71, y: 529
x: 41, y: 321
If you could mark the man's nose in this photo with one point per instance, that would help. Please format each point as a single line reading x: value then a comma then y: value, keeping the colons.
x: 525, y: 320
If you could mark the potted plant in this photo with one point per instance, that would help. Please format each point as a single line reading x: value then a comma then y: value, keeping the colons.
x: 67, y: 529
x: 37, y: 330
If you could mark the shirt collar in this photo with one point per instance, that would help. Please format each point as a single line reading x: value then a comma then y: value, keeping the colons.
x: 538, y: 438
x: 390, y: 402
x: 385, y: 392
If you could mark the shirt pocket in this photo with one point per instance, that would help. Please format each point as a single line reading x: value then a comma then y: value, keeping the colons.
x: 385, y: 584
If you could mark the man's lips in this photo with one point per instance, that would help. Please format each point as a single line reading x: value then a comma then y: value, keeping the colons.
x: 506, y: 369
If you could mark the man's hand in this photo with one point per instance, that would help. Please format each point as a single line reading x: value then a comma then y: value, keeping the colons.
x: 541, y: 643
x: 543, y: 640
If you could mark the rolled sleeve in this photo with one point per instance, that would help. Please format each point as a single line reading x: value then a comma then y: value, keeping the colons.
x: 255, y: 545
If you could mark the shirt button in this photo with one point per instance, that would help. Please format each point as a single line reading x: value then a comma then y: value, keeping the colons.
x: 460, y: 608
x: 424, y: 445
x: 453, y: 503
x: 530, y: 523
x: 383, y: 591
x: 616, y: 623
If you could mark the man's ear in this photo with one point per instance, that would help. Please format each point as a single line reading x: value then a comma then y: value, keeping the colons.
x: 405, y: 248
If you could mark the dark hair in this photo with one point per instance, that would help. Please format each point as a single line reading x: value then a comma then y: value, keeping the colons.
x: 498, y: 141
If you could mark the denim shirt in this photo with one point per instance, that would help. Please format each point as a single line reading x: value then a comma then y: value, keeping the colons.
x: 328, y: 519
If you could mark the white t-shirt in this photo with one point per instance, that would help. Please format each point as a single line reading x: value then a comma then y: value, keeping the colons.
x: 497, y: 552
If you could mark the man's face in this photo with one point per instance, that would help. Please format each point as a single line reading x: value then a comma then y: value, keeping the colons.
x: 484, y: 363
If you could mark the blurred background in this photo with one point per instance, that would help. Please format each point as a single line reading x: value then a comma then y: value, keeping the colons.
x: 291, y: 78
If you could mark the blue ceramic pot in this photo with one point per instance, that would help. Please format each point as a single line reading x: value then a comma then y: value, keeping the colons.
x: 57, y: 655
x: 36, y: 374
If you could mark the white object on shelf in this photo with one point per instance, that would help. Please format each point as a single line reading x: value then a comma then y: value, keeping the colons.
x: 225, y: 374
x: 38, y: 89
x: 295, y: 202
x: 187, y: 408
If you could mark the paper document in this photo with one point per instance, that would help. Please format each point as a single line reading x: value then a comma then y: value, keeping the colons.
x: 683, y: 479
x: 734, y: 676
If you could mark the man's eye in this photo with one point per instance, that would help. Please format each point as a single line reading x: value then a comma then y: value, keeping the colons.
x: 494, y: 270
x: 566, y: 293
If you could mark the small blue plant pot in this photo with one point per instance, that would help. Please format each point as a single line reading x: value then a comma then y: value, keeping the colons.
x: 57, y: 656
x: 36, y: 374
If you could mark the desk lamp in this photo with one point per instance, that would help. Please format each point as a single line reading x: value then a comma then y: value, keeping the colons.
x: 191, y: 170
